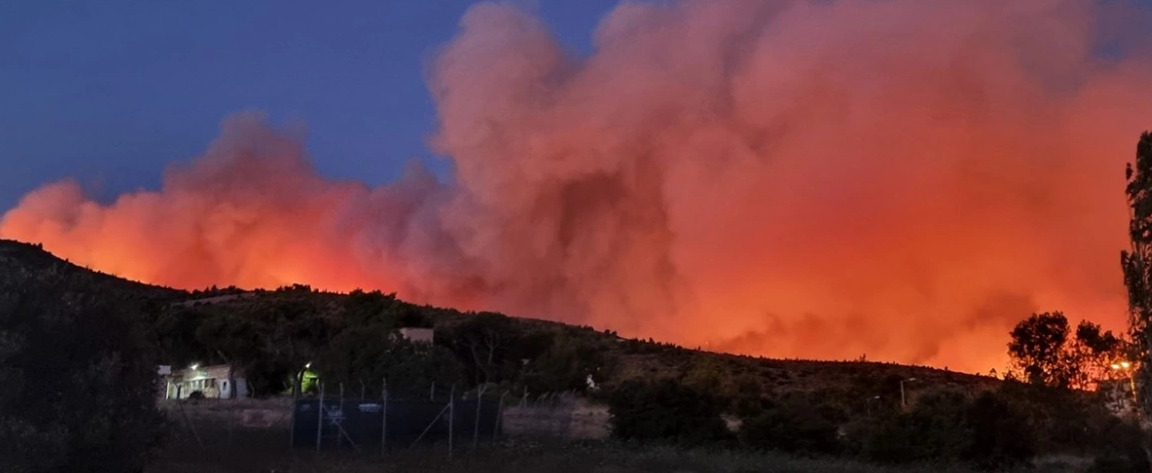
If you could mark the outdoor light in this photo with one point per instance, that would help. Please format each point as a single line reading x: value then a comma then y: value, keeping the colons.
x: 307, y: 365
x: 195, y: 365
x: 1126, y: 366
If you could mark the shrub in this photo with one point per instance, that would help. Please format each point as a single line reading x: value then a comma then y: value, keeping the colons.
x: 796, y: 425
x: 1124, y: 450
x: 1000, y: 434
x: 370, y: 355
x: 77, y: 387
x: 566, y: 365
x: 933, y: 431
x: 1060, y: 421
x: 948, y: 427
x: 665, y: 409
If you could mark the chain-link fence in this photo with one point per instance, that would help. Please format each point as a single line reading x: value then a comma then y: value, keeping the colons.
x: 385, y: 423
x: 441, y: 418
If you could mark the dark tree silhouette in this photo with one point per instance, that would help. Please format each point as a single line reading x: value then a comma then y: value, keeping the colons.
x: 1137, y: 265
x: 1045, y: 351
x: 77, y: 380
x: 1039, y: 350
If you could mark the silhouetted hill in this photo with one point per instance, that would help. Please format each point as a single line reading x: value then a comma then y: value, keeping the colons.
x: 19, y: 262
x: 22, y: 262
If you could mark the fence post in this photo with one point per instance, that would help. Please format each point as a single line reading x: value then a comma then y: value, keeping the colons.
x: 292, y: 425
x: 341, y: 407
x: 320, y: 421
x: 499, y: 416
x: 384, y: 419
x: 295, y: 397
x: 363, y: 390
x: 451, y: 419
x: 476, y: 431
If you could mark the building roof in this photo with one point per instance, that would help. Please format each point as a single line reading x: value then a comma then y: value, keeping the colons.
x: 206, y: 372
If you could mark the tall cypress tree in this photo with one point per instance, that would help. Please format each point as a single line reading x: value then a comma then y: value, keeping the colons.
x: 1137, y: 264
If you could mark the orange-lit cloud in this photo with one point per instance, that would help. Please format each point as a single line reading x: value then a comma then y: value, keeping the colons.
x: 899, y: 178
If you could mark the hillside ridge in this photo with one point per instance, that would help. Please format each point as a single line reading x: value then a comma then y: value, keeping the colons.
x: 639, y: 358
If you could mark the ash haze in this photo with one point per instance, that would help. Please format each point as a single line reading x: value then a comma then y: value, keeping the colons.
x: 904, y: 179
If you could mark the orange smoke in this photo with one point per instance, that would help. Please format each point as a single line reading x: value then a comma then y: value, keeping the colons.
x: 904, y: 179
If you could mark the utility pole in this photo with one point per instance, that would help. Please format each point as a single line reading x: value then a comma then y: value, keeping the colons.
x: 903, y: 399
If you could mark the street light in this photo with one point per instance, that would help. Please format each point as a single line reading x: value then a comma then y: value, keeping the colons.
x: 1126, y: 367
x: 903, y: 400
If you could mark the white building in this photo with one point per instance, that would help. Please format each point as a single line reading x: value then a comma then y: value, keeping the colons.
x: 212, y: 382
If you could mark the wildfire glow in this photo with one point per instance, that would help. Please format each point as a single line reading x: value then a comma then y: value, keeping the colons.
x: 904, y: 179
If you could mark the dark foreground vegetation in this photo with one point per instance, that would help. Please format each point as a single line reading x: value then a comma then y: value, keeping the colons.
x: 79, y: 350
x: 532, y: 457
x: 223, y: 448
x: 77, y: 380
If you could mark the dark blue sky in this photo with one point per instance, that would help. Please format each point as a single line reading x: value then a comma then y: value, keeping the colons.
x: 112, y: 91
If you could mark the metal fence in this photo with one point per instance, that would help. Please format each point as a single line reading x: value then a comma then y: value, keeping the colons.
x: 439, y: 417
x: 328, y: 423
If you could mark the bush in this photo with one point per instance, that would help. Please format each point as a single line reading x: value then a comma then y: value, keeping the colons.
x: 1062, y: 421
x: 1001, y: 437
x: 948, y: 427
x: 667, y: 410
x: 933, y: 431
x: 77, y: 387
x: 795, y: 425
x: 370, y: 355
x: 567, y: 364
x: 1124, y: 450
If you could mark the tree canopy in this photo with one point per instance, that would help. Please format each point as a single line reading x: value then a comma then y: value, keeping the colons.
x: 1046, y: 351
x: 1137, y: 262
x: 78, y: 382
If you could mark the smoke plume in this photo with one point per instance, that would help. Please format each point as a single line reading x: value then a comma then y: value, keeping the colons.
x: 904, y: 179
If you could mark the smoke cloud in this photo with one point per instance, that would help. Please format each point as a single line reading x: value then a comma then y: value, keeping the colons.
x: 904, y: 179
